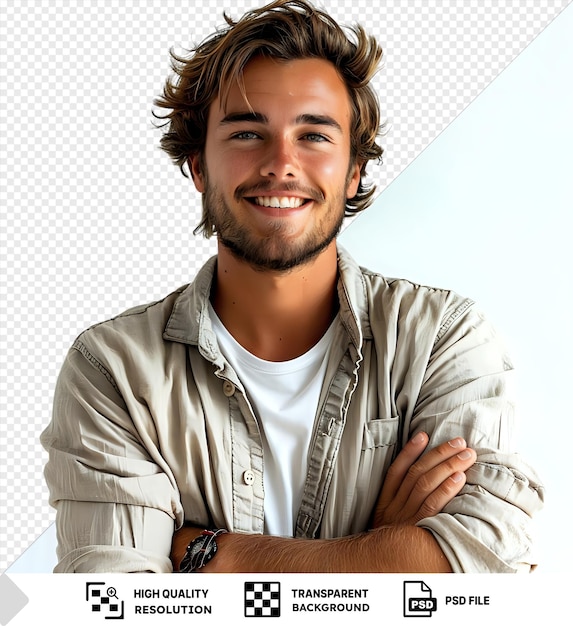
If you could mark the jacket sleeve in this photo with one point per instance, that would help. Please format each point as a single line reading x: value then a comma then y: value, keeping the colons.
x: 116, y: 506
x: 468, y: 391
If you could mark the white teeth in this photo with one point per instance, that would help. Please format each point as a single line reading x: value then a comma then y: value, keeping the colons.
x: 279, y: 203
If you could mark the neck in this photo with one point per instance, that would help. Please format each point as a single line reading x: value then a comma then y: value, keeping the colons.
x: 276, y: 316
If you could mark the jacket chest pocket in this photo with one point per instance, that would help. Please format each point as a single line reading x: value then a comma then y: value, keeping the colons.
x: 378, y: 447
x: 362, y: 464
x: 380, y: 433
x: 379, y: 443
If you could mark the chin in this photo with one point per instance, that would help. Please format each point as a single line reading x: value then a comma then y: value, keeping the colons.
x: 276, y: 256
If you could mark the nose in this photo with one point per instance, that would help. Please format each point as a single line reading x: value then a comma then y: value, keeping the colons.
x: 279, y: 160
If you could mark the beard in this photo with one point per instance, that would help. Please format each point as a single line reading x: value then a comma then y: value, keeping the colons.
x: 275, y: 251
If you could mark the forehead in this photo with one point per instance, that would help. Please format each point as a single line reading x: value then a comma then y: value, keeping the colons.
x: 296, y: 86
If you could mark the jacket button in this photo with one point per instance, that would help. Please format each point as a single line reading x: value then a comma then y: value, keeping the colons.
x: 228, y: 388
x: 248, y: 477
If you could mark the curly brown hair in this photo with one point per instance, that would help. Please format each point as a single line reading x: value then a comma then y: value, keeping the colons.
x: 284, y: 30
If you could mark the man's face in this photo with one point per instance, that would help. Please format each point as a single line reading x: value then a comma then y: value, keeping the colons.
x: 276, y: 170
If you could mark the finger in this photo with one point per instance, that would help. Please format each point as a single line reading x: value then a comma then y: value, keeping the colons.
x: 428, y: 482
x: 434, y: 458
x: 411, y: 499
x: 441, y: 496
x: 400, y: 467
x: 424, y: 476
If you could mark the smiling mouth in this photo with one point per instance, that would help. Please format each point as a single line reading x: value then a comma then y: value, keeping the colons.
x: 276, y: 202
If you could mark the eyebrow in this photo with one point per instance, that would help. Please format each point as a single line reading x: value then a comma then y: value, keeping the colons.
x: 304, y: 118
x: 247, y: 116
x: 318, y: 120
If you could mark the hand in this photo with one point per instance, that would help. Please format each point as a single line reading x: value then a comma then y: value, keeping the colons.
x: 415, y: 489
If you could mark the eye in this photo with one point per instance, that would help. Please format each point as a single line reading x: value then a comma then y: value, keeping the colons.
x: 315, y: 137
x: 245, y: 135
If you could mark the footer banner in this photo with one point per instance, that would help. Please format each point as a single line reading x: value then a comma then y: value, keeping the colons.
x: 286, y: 598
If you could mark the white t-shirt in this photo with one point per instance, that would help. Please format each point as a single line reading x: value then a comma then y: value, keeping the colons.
x: 284, y: 396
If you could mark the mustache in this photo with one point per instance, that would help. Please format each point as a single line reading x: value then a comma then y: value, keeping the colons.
x: 249, y: 190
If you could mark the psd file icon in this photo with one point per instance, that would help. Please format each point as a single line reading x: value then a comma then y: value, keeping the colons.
x: 418, y: 600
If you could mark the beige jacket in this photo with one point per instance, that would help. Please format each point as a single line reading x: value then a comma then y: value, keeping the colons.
x: 152, y: 427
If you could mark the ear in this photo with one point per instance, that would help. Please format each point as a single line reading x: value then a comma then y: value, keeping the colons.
x: 195, y: 163
x: 353, y: 180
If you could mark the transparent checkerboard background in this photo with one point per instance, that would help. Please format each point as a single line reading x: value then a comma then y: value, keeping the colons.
x: 95, y: 219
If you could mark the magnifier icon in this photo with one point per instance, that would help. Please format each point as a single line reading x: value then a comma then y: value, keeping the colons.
x: 112, y: 593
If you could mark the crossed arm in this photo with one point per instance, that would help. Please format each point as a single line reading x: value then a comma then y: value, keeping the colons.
x: 416, y: 487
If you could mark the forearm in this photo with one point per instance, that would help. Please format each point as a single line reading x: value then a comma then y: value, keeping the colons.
x: 398, y: 549
x: 412, y: 491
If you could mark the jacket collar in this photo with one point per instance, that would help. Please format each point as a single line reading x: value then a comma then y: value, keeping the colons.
x: 190, y: 322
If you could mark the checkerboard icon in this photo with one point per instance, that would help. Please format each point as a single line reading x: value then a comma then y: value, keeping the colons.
x: 262, y: 599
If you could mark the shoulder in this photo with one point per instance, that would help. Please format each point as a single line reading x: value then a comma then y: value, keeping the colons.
x: 400, y: 306
x: 412, y: 301
x: 134, y: 331
x: 433, y: 319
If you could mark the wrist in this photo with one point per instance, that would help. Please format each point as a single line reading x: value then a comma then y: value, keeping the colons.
x: 223, y: 562
x: 201, y: 551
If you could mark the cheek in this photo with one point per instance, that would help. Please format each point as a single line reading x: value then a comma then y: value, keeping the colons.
x: 332, y: 169
x: 334, y: 173
x: 232, y: 168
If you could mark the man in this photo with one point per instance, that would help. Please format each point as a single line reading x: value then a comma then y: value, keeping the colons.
x: 287, y: 411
